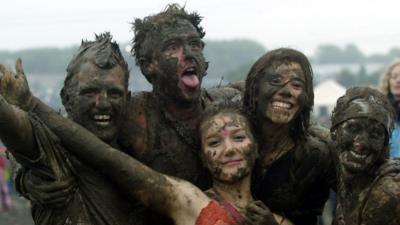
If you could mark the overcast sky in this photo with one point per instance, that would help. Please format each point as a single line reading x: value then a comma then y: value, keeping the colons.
x: 373, y: 25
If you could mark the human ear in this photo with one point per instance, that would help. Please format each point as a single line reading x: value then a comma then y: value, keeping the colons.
x: 148, y: 68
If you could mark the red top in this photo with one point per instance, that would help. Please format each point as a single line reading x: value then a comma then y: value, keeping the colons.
x: 214, y: 214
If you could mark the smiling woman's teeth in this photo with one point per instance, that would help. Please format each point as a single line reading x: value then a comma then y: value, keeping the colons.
x: 283, y: 105
x: 358, y: 156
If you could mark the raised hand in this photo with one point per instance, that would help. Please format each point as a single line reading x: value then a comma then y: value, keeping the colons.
x: 259, y: 214
x: 14, y: 87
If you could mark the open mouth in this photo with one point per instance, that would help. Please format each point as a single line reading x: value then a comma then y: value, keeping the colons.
x: 102, y: 120
x: 189, y: 78
x: 357, y: 156
x: 281, y: 105
x: 356, y: 161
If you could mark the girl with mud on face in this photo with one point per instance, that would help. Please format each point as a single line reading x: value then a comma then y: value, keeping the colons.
x: 295, y: 169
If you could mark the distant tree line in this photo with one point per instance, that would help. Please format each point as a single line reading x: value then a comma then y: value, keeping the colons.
x: 347, y: 78
x: 229, y: 60
x: 332, y: 54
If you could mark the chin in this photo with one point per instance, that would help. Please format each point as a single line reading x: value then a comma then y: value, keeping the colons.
x: 190, y: 96
x: 106, y: 135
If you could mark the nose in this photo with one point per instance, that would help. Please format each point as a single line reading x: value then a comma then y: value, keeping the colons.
x: 188, y: 53
x: 360, y: 142
x: 229, y: 149
x: 103, y: 102
x: 284, y: 91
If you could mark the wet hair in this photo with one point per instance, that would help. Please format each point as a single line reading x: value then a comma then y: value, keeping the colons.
x: 384, y: 84
x: 379, y: 108
x: 102, y: 52
x: 270, y: 59
x: 148, y: 29
x: 221, y: 108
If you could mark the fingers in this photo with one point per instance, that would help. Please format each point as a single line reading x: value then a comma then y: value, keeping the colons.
x: 19, y: 69
x: 2, y: 69
x: 258, y: 207
x: 18, y: 66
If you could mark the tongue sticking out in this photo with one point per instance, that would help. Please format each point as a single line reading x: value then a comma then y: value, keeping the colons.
x: 190, y: 81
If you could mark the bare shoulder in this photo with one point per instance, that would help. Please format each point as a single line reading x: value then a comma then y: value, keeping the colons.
x: 133, y: 136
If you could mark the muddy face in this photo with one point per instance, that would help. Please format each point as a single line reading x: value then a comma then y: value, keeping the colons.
x: 394, y: 82
x: 178, y: 62
x: 228, y: 146
x: 98, y: 100
x: 279, y: 92
x: 360, y: 142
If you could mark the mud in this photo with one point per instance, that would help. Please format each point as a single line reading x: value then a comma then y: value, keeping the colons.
x: 295, y: 178
x: 264, y: 67
x: 361, y: 122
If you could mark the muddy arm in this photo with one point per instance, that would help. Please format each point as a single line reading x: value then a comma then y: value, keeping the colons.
x: 16, y: 130
x: 165, y: 194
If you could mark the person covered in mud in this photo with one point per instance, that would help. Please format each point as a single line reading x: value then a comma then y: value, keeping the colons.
x: 160, y: 126
x: 362, y: 122
x: 295, y: 169
x: 94, y: 95
x: 228, y: 151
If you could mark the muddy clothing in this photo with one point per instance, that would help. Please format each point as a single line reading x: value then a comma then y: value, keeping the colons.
x: 95, y: 202
x: 378, y: 204
x: 166, y: 144
x: 297, y: 184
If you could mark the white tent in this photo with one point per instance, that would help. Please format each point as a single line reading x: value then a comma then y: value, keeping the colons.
x: 325, y: 95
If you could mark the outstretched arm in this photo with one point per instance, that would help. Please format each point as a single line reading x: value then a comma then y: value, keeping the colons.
x: 15, y: 127
x: 176, y: 198
x: 166, y: 194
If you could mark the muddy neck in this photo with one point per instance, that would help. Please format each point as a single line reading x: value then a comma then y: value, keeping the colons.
x: 355, y: 184
x: 275, y: 137
x: 181, y: 110
x: 238, y: 193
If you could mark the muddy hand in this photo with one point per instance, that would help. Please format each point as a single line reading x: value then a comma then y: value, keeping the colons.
x: 258, y: 214
x: 50, y: 194
x: 14, y: 87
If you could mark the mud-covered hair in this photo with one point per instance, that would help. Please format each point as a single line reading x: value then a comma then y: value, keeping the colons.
x: 148, y: 28
x: 379, y: 108
x: 102, y: 52
x: 268, y: 60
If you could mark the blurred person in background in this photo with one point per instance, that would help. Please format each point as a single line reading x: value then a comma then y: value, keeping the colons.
x: 5, y: 199
x: 390, y: 87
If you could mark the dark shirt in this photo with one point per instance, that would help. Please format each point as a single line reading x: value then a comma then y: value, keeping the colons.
x: 96, y: 201
x: 297, y: 184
